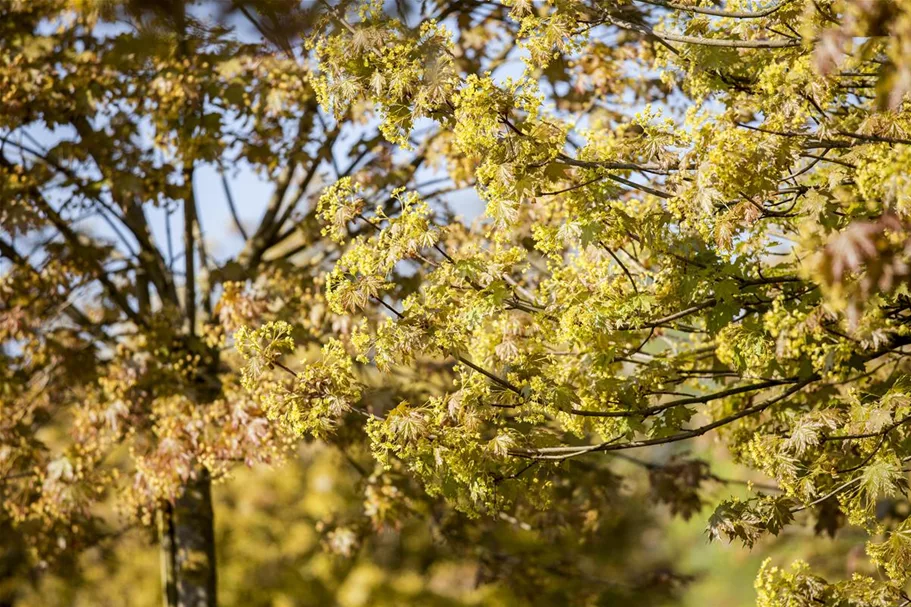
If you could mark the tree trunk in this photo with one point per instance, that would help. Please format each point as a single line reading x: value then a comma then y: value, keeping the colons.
x: 187, y: 542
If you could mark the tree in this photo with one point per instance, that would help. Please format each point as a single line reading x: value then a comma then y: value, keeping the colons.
x: 120, y: 389
x: 295, y: 535
x: 696, y: 224
x: 118, y: 329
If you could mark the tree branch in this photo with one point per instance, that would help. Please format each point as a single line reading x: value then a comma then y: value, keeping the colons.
x: 231, y: 206
x: 717, y: 12
x: 189, y: 247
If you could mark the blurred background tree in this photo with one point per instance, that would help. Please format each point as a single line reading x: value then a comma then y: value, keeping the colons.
x: 293, y: 536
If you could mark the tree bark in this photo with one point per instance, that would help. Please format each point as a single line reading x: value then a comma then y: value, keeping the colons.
x: 187, y: 542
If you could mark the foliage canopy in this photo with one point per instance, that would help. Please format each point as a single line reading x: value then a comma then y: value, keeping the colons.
x: 696, y: 222
x: 696, y: 226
